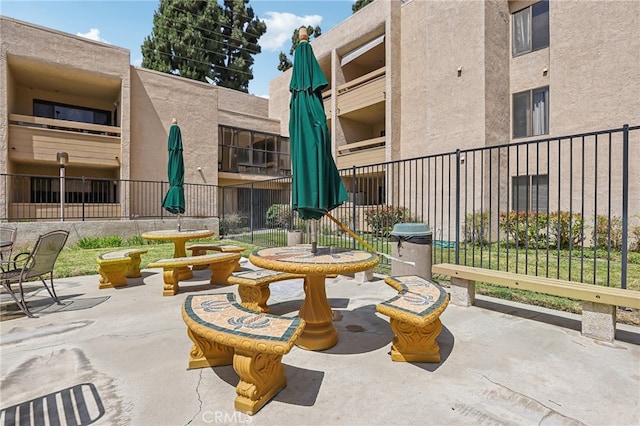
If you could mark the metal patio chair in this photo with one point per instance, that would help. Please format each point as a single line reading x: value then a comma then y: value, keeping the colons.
x: 35, y: 264
x: 7, y: 241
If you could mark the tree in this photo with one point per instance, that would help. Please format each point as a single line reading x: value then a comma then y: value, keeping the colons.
x: 359, y: 4
x: 285, y: 62
x: 205, y: 41
x: 241, y: 30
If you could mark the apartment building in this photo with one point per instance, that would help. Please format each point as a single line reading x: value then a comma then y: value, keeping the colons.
x: 407, y: 79
x: 422, y: 77
x: 61, y: 93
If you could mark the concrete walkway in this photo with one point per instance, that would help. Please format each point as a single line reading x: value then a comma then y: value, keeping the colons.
x: 119, y: 356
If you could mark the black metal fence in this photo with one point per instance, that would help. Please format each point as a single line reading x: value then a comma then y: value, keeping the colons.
x: 37, y: 198
x: 566, y: 207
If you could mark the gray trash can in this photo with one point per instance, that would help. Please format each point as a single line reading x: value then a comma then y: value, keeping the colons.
x: 411, y: 242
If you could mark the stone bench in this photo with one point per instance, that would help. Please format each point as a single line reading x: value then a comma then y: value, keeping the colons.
x: 415, y: 318
x: 598, y: 303
x: 253, y: 287
x: 116, y: 266
x: 220, y: 264
x: 224, y: 333
x: 203, y: 248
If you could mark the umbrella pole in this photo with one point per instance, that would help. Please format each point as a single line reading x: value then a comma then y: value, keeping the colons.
x: 364, y: 243
x: 313, y: 226
x: 179, y: 222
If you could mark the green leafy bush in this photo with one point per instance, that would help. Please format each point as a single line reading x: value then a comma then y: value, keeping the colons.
x: 601, y: 236
x: 99, y: 242
x: 233, y: 223
x: 279, y: 216
x: 565, y: 229
x: 524, y: 229
x: 476, y: 227
x: 635, y: 238
x: 381, y: 219
x: 136, y: 240
x: 531, y: 229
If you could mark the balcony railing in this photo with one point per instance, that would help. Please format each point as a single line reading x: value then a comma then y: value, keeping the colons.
x: 36, y: 139
x: 370, y: 151
x: 361, y: 92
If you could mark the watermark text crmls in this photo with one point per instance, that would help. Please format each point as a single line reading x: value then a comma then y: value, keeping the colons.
x: 225, y: 417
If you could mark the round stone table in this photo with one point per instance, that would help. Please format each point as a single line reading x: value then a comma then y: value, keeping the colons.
x: 319, y: 333
x: 179, y: 239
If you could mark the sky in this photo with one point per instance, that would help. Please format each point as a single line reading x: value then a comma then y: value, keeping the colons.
x: 126, y: 23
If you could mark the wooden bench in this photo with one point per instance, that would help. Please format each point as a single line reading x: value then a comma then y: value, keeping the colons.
x: 415, y: 318
x: 201, y: 249
x: 598, y: 303
x: 253, y: 287
x: 224, y: 332
x: 116, y: 266
x: 220, y: 264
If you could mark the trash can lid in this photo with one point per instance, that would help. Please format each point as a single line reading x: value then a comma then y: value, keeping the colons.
x: 410, y: 229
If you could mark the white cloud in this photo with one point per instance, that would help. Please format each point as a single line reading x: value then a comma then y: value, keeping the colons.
x: 280, y: 27
x: 137, y: 62
x: 93, y: 34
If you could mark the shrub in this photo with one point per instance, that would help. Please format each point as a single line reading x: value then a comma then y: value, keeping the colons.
x: 99, y: 242
x: 565, y: 229
x: 381, y: 219
x: 601, y: 236
x: 635, y: 238
x: 136, y: 240
x: 278, y: 216
x: 529, y: 229
x: 524, y: 229
x: 232, y: 224
x: 476, y: 228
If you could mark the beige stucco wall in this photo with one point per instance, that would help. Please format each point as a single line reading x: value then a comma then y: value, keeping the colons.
x: 157, y: 98
x: 594, y: 76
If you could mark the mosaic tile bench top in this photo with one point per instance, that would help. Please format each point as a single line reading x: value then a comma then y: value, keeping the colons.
x: 261, y: 276
x: 419, y: 301
x: 219, y: 318
x: 299, y: 259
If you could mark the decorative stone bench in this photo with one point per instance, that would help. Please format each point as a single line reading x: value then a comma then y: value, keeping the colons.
x: 253, y: 287
x: 116, y: 266
x: 201, y: 249
x: 224, y: 332
x: 598, y: 303
x: 220, y: 264
x: 415, y: 318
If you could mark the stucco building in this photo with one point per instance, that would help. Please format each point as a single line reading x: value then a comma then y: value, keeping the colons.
x: 407, y: 79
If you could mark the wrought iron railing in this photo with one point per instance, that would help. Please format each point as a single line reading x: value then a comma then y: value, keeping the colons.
x: 565, y: 207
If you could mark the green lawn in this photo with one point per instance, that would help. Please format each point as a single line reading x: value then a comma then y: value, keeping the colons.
x: 76, y: 261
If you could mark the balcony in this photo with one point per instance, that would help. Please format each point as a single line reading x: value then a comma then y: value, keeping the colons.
x: 37, y: 140
x: 362, y: 92
x: 370, y: 151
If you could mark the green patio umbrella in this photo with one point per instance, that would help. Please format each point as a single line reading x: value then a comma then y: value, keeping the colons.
x: 174, y: 199
x: 317, y: 187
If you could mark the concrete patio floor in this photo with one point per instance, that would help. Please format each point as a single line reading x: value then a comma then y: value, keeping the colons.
x: 119, y: 356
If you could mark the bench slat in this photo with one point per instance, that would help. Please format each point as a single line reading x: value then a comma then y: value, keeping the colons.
x: 552, y: 286
x: 192, y: 260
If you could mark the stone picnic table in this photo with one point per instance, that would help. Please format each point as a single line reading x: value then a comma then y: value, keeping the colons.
x: 319, y: 333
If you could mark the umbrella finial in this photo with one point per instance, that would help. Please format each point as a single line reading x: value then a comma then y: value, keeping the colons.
x: 302, y: 34
x: 174, y: 121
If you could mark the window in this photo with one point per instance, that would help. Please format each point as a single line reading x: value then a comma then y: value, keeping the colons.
x: 530, y: 193
x: 530, y: 29
x: 247, y: 151
x: 70, y: 113
x: 531, y: 113
x: 77, y: 190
